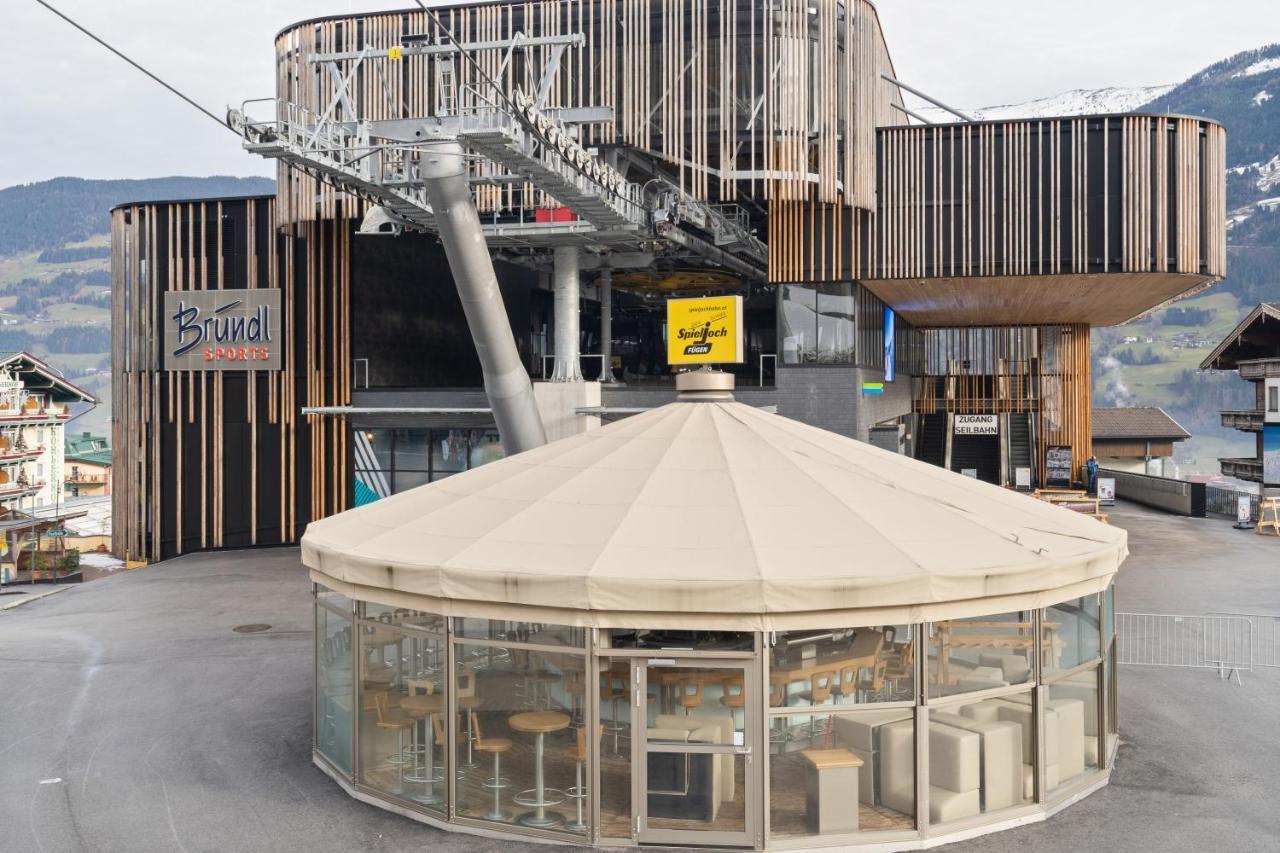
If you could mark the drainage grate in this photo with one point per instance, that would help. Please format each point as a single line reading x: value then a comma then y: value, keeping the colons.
x: 256, y: 628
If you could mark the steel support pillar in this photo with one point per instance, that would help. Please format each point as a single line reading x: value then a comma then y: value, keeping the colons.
x: 606, y: 326
x: 506, y: 382
x: 565, y: 283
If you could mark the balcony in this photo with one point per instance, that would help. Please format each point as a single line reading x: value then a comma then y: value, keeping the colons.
x: 1259, y: 368
x: 1242, y: 469
x: 14, y: 455
x: 33, y: 415
x: 20, y: 489
x: 1246, y: 421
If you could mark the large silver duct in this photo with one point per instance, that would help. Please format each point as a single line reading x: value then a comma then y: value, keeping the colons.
x: 506, y: 382
x: 565, y: 283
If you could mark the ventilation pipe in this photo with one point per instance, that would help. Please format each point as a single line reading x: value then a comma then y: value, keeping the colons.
x: 506, y: 382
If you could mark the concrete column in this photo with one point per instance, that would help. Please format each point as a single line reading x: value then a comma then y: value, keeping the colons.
x: 566, y: 287
x: 506, y: 382
x: 606, y: 326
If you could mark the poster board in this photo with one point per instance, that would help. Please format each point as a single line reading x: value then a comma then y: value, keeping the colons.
x: 1022, y: 479
x: 1058, y: 467
x: 707, y: 330
x: 1107, y: 491
x: 1271, y: 454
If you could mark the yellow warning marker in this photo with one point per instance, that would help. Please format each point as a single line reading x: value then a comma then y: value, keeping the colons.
x: 395, y: 53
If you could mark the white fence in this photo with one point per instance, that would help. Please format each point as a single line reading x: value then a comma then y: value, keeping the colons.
x: 1221, y: 642
x: 1264, y: 633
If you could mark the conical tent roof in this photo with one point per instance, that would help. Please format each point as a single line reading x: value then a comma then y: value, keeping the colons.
x: 714, y: 515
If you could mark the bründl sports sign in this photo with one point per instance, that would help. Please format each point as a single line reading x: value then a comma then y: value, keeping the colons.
x: 704, y: 331
x: 222, y: 330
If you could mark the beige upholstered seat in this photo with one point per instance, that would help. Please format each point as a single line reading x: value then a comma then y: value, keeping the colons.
x: 954, y: 773
x: 864, y: 734
x: 1001, y: 757
x: 710, y: 728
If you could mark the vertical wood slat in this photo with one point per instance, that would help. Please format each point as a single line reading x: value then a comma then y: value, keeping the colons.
x: 161, y: 505
x: 1027, y: 197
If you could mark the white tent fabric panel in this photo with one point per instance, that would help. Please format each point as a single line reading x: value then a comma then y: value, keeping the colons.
x: 718, y: 511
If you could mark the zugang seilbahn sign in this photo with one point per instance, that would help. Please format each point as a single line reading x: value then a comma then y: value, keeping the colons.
x: 222, y: 330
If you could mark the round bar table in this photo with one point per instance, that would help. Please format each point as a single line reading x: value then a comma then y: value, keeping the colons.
x: 538, y: 723
x: 425, y: 706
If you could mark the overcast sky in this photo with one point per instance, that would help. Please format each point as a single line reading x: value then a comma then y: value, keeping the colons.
x: 70, y: 108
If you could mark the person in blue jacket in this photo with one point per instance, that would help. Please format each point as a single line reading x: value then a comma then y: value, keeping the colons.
x: 1092, y: 468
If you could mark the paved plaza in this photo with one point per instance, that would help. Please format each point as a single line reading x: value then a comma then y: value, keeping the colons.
x: 133, y: 718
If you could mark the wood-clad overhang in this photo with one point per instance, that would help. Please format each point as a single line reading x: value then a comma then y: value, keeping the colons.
x: 1094, y: 299
x: 1094, y: 219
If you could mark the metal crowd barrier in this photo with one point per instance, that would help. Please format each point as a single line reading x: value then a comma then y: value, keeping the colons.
x: 1222, y: 501
x: 1264, y: 632
x: 1217, y: 641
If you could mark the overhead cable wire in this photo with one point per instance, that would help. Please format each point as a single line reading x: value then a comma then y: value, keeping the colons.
x: 103, y: 42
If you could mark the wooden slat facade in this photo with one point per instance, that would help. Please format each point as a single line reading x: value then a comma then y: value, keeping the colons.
x: 226, y: 459
x: 1121, y: 202
x: 734, y: 125
x: 1043, y: 371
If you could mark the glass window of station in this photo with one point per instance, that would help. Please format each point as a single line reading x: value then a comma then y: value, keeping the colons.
x: 716, y: 738
x: 389, y: 461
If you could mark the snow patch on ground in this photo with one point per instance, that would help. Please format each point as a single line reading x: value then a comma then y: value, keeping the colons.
x: 1262, y: 66
x: 102, y: 562
x: 1261, y: 98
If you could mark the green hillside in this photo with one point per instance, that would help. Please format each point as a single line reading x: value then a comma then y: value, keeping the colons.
x: 55, y: 281
x: 1161, y: 367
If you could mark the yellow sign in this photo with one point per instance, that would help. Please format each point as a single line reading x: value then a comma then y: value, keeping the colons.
x: 704, y: 331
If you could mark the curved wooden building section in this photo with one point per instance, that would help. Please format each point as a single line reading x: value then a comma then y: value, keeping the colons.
x: 724, y: 94
x: 1085, y: 220
x: 210, y: 459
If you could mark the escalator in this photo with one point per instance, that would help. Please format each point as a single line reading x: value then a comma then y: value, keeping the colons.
x: 932, y: 442
x: 1020, y: 455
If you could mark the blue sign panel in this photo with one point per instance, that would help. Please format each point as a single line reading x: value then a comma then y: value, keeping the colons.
x: 1271, y: 455
x: 888, y: 344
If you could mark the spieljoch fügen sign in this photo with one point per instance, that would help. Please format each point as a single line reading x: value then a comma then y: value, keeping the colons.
x: 222, y: 330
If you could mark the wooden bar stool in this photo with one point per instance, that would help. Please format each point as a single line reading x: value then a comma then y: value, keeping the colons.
x: 613, y: 689
x: 495, y: 746
x: 689, y: 694
x: 398, y: 724
x: 821, y: 685
x: 577, y: 753
x: 734, y: 697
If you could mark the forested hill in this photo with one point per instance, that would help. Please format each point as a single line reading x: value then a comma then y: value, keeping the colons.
x: 50, y: 214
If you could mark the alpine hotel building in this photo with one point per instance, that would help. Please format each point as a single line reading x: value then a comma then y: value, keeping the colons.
x: 930, y: 288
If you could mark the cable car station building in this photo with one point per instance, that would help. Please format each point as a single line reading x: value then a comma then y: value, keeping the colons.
x: 688, y: 621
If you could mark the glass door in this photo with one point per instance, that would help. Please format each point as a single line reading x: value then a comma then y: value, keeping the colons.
x: 696, y: 777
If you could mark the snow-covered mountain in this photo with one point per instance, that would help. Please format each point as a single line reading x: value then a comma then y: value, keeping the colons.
x: 1115, y: 99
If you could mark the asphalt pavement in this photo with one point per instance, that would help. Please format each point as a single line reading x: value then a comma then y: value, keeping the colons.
x: 134, y: 718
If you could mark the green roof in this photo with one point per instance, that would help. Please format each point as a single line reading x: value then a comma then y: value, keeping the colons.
x: 91, y: 457
x: 85, y: 442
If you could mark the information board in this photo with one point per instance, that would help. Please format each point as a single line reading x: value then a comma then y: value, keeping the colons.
x: 1057, y: 467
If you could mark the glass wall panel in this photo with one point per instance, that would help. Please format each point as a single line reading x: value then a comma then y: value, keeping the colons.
x: 1071, y: 727
x: 797, y: 323
x: 401, y: 703
x: 521, y: 736
x: 486, y: 446
x: 981, y: 757
x: 537, y: 633
x: 1071, y: 633
x: 842, y: 666
x: 683, y: 641
x: 841, y: 773
x: 980, y: 653
x: 334, y: 690
x: 413, y: 449
x: 449, y: 450
x: 837, y: 329
x: 1109, y: 614
x: 615, y: 748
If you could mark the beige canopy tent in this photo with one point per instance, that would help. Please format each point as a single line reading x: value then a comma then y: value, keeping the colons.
x: 712, y: 514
